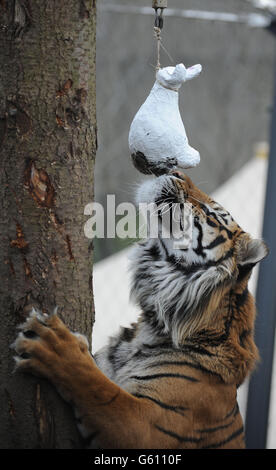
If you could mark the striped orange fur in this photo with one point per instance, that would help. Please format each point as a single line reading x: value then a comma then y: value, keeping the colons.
x: 170, y: 380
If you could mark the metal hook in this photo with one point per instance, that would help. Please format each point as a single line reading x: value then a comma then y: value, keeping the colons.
x: 159, y: 21
x: 159, y: 6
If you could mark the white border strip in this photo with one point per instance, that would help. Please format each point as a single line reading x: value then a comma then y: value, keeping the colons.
x: 255, y: 20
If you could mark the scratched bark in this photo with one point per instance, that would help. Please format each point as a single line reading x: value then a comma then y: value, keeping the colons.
x: 47, y: 150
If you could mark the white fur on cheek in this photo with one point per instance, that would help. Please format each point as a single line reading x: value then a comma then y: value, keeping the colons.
x: 151, y: 189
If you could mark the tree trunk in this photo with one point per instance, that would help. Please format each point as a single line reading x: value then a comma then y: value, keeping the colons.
x: 47, y: 146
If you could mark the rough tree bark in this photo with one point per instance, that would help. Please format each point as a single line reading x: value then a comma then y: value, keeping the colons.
x: 47, y: 146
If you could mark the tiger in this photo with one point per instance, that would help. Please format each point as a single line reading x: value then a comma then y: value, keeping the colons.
x: 169, y: 381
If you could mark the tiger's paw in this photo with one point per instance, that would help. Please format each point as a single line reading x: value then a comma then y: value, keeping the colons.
x: 45, y: 347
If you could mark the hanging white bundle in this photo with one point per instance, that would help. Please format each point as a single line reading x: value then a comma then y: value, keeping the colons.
x: 157, y: 139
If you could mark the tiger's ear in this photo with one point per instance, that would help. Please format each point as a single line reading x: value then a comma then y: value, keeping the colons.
x: 250, y: 252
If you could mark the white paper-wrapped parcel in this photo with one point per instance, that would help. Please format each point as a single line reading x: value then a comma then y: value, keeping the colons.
x: 157, y: 138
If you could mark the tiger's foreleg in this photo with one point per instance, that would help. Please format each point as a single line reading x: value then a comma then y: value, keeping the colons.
x: 46, y: 348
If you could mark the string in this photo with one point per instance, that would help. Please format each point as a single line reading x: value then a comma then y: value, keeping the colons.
x: 166, y: 51
x: 157, y: 34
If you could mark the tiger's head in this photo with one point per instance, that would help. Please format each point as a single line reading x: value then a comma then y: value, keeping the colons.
x: 185, y: 289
